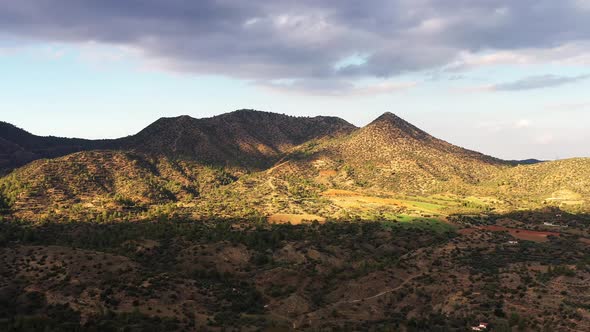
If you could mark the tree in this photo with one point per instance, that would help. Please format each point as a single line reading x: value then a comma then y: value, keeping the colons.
x: 4, y: 204
x: 514, y: 319
x: 502, y: 325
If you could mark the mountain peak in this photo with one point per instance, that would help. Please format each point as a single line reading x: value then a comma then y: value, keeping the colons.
x: 391, y: 118
x: 387, y: 116
x: 393, y: 126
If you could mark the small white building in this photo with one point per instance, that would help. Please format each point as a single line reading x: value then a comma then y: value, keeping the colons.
x: 481, y: 327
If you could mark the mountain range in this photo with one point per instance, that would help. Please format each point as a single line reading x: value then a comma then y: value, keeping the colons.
x: 244, y: 138
x: 251, y: 160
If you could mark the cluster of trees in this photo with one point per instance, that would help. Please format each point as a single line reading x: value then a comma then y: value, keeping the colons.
x: 8, y: 194
x: 4, y: 204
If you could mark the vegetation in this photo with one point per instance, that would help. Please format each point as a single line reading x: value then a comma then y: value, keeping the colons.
x: 251, y: 274
x: 254, y: 221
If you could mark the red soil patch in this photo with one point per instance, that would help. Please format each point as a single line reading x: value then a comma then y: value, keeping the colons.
x: 522, y: 234
x: 466, y: 231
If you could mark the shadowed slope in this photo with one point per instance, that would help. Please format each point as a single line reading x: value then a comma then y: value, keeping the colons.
x: 18, y: 147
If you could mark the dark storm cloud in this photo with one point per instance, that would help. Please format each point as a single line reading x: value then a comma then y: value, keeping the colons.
x: 305, y: 39
x: 539, y: 82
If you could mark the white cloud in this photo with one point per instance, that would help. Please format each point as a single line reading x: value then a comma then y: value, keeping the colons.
x: 336, y: 88
x: 523, y: 123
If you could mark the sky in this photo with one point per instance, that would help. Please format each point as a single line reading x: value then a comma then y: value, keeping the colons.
x: 507, y: 78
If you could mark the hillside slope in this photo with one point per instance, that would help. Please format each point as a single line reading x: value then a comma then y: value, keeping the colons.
x: 84, y: 184
x: 392, y: 154
x: 560, y: 182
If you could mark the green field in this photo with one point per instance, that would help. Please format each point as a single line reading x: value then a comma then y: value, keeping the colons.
x: 430, y: 224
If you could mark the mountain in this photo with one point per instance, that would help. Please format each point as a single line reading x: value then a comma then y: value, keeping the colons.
x: 18, y: 147
x: 390, y: 138
x: 243, y: 138
x: 393, y: 154
x: 525, y: 161
x: 173, y: 160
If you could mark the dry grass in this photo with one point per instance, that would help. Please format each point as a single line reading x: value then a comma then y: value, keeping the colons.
x: 294, y: 219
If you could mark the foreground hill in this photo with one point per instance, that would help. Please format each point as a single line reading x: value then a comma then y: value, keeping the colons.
x: 252, y: 276
x: 105, y: 184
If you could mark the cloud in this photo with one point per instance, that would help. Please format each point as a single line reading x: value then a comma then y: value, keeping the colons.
x: 538, y: 82
x: 523, y: 123
x: 336, y: 88
x: 310, y: 40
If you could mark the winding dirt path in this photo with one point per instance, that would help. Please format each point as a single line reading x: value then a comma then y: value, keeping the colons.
x: 406, y: 281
